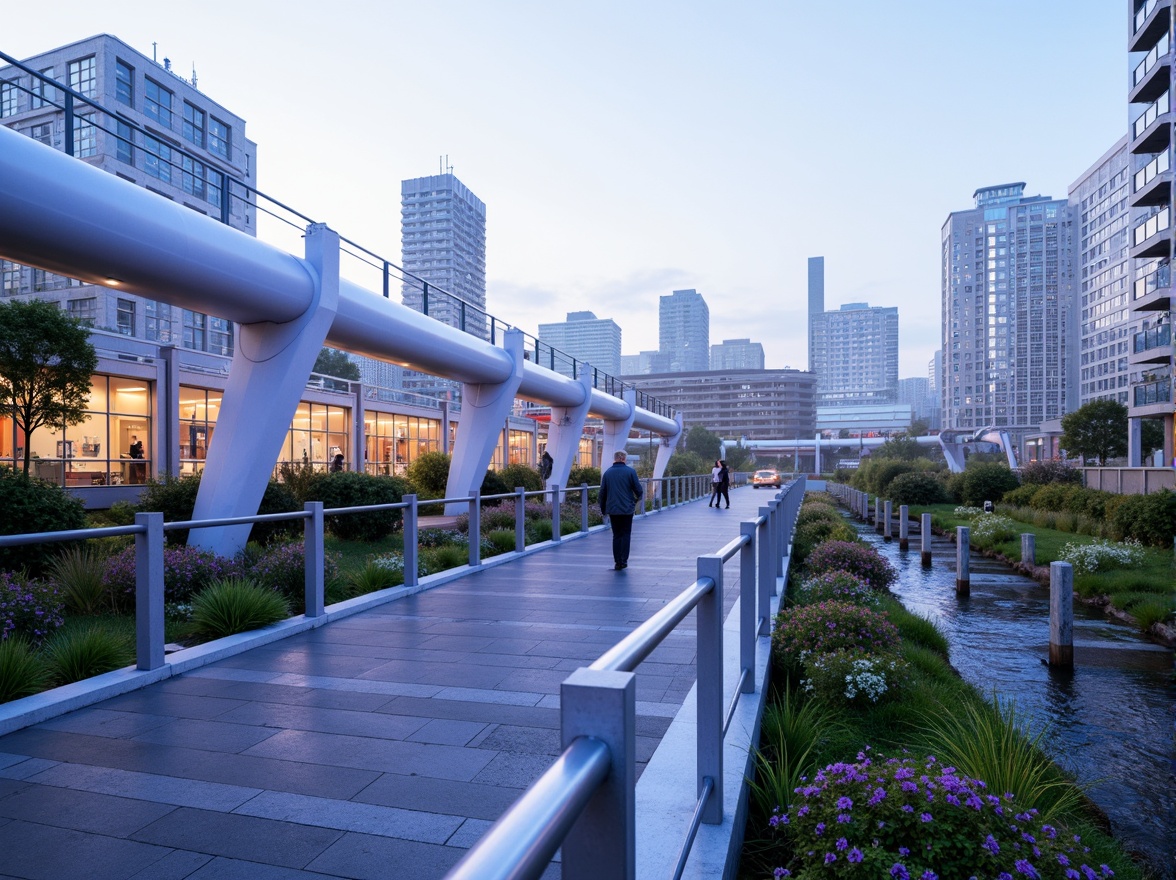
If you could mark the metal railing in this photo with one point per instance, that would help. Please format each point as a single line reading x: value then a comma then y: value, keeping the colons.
x: 204, y: 177
x: 585, y: 802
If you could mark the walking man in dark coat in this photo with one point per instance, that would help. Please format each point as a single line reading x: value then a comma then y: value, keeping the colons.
x: 620, y: 490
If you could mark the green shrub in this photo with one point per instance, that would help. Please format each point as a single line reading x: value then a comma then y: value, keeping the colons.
x: 831, y: 626
x: 175, y: 498
x: 493, y: 484
x: 917, y: 488
x: 28, y: 608
x: 1056, y: 496
x: 990, y: 529
x: 516, y: 475
x: 185, y: 571
x: 22, y: 672
x: 503, y: 540
x: 1155, y: 609
x: 854, y: 557
x: 884, y: 471
x: 236, y: 605
x: 590, y: 476
x: 374, y: 576
x: 298, y: 478
x: 282, y: 567
x: 1042, y: 473
x: 447, y: 557
x: 34, y: 505
x: 808, y: 536
x: 497, y: 518
x: 840, y: 585
x: 849, y: 677
x: 1022, y: 496
x: 955, y: 487
x: 1150, y: 519
x: 278, y: 498
x: 538, y: 531
x: 76, y: 653
x: 811, y: 511
x: 80, y: 576
x: 429, y: 474
x: 986, y: 481
x: 121, y: 513
x: 353, y: 489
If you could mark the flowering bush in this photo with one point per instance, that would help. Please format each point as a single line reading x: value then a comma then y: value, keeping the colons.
x: 992, y: 528
x: 969, y: 512
x: 28, y: 607
x: 1101, y: 554
x: 282, y: 567
x: 394, y: 563
x: 841, y: 585
x: 849, y: 677
x: 186, y: 571
x: 897, y: 819
x: 441, y: 538
x: 832, y: 626
x: 856, y: 558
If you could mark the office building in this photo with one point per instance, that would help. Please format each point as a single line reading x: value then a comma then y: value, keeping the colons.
x: 443, y: 239
x: 854, y: 354
x: 151, y: 126
x: 916, y: 393
x: 683, y: 332
x: 757, y: 404
x: 1009, y: 321
x: 737, y: 354
x: 1102, y: 276
x: 587, y: 338
x: 1150, y: 45
x: 816, y: 301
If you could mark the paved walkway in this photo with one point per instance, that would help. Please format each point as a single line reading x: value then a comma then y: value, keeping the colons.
x: 378, y: 746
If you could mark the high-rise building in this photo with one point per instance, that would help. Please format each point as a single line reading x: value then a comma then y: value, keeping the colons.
x: 443, y: 239
x: 683, y: 332
x: 854, y: 355
x: 1102, y: 276
x: 916, y: 392
x: 1151, y: 47
x: 816, y: 301
x: 935, y: 387
x: 737, y: 354
x: 1009, y: 322
x: 165, y: 135
x: 587, y: 338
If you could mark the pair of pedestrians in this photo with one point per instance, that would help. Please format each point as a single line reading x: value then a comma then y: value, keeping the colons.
x: 720, y: 485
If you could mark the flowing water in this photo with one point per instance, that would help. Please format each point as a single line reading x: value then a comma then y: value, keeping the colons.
x: 1110, y: 720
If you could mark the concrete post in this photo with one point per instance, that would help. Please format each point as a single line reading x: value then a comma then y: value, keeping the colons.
x: 963, y: 546
x: 313, y: 554
x: 925, y: 539
x: 411, y: 541
x: 878, y: 513
x: 748, y: 623
x: 888, y: 518
x: 1029, y: 548
x: 149, y: 591
x: 1061, y: 615
x: 904, y: 527
x: 766, y: 569
x: 709, y: 692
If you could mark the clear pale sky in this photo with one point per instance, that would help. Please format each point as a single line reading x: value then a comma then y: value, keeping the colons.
x: 627, y: 149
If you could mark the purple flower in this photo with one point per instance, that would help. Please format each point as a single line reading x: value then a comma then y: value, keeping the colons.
x: 819, y: 829
x: 781, y: 872
x: 899, y: 872
x: 844, y: 803
x: 855, y: 855
x: 1023, y: 867
x: 991, y: 845
x: 928, y: 875
x: 924, y: 817
x: 842, y: 843
x: 830, y: 858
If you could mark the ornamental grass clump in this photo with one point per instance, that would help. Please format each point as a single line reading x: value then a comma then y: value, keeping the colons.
x: 80, y: 575
x: 843, y: 586
x: 1101, y: 555
x: 856, y: 558
x: 28, y: 608
x: 76, y: 653
x: 236, y: 605
x: 22, y: 671
x: 905, y: 819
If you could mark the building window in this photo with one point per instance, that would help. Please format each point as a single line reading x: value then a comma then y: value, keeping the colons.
x: 85, y: 137
x: 193, y: 124
x: 157, y: 162
x: 9, y: 278
x: 318, y: 433
x: 8, y: 96
x: 157, y: 103
x: 198, y: 411
x: 124, y: 83
x: 43, y: 280
x: 157, y: 318
x: 214, y: 181
x: 194, y: 330
x: 124, y: 149
x: 43, y: 92
x: 219, y: 137
x: 192, y: 180
x: 81, y: 76
x: 394, y: 441
x: 84, y: 310
x: 126, y: 317
x: 42, y: 133
x: 220, y: 336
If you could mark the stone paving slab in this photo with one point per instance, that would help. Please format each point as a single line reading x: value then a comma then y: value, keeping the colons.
x: 379, y: 745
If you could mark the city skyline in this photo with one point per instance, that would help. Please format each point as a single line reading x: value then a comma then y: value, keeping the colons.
x: 601, y: 188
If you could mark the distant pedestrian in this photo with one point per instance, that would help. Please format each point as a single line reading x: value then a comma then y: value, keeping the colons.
x: 724, y: 484
x: 716, y: 480
x: 620, y: 490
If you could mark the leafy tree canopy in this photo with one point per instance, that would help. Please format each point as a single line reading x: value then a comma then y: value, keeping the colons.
x: 46, y: 361
x: 1151, y: 435
x: 1096, y: 430
x: 903, y: 448
x: 703, y: 443
x: 332, y: 362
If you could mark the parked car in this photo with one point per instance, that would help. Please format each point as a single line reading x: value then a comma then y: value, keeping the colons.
x: 765, y: 478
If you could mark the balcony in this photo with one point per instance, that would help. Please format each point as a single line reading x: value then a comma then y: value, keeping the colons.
x: 1152, y: 75
x: 1154, y: 396
x: 1152, y: 129
x: 1153, y: 183
x: 1152, y: 346
x: 1149, y: 24
x: 1153, y: 291
x: 1153, y: 238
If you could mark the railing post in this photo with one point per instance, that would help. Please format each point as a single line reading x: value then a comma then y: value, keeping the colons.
x: 778, y: 555
x: 603, y: 842
x: 520, y: 520
x: 925, y: 539
x: 709, y: 694
x: 149, y: 591
x: 748, y: 612
x: 556, y: 532
x: 1061, y: 615
x: 963, y: 548
x: 904, y: 527
x: 767, y: 574
x: 313, y: 555
x: 475, y: 530
x: 888, y: 513
x: 1029, y: 549
x: 411, y: 547
x: 583, y: 507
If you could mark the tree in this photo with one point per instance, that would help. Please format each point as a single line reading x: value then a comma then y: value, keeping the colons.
x: 46, y: 362
x: 332, y: 362
x: 1096, y: 430
x: 918, y: 428
x: 1151, y: 436
x: 703, y: 443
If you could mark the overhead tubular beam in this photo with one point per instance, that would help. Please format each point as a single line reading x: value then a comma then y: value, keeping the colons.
x: 64, y: 216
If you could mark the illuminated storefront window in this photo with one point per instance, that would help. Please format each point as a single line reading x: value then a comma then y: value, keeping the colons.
x: 394, y: 441
x: 318, y: 433
x: 199, y: 408
x: 111, y: 447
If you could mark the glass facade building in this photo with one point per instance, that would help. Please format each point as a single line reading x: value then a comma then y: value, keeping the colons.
x: 683, y: 332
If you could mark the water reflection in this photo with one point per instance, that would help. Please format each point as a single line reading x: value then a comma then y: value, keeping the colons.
x: 1110, y: 719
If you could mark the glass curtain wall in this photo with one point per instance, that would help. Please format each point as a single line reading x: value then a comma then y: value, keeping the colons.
x: 395, y: 441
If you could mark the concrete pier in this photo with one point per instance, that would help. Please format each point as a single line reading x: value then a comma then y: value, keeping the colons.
x: 925, y: 539
x: 963, y: 547
x: 1061, y: 615
x: 904, y: 527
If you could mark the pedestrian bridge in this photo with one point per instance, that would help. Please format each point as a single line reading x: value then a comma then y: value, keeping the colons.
x: 385, y: 737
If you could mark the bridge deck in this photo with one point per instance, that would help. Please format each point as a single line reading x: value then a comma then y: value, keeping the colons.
x: 381, y: 745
